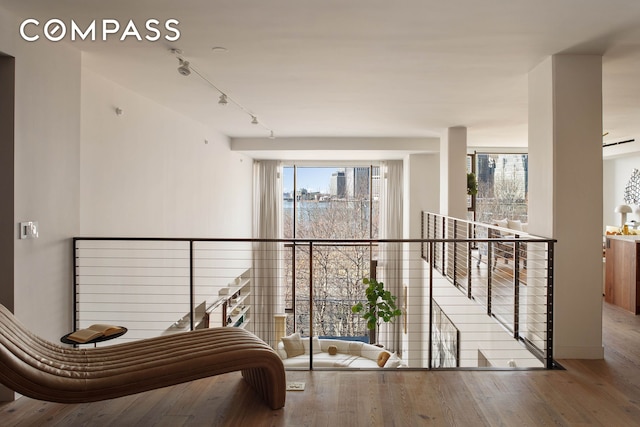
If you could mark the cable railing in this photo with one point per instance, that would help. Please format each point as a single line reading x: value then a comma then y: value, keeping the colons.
x: 461, y: 307
x: 507, y: 272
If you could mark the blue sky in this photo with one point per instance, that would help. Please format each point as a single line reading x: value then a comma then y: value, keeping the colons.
x: 311, y: 178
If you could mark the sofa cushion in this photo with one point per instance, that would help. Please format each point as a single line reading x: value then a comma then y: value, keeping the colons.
x: 316, y: 345
x: 325, y: 360
x: 501, y: 223
x: 355, y: 348
x: 514, y: 224
x: 394, y: 361
x: 341, y: 345
x: 293, y: 345
x: 333, y: 350
x: 347, y: 361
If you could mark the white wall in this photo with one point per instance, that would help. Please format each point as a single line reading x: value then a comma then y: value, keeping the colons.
x: 47, y: 143
x: 422, y: 191
x: 150, y: 173
x: 616, y: 175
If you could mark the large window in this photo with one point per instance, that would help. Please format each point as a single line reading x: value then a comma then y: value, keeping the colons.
x: 329, y: 203
x: 503, y: 188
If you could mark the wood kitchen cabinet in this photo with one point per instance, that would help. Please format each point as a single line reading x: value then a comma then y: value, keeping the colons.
x: 622, y: 275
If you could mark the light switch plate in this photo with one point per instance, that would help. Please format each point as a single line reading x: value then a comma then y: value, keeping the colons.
x: 29, y: 230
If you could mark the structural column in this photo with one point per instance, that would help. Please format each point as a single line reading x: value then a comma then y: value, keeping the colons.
x: 565, y: 193
x: 421, y: 193
x: 453, y: 172
x: 7, y: 224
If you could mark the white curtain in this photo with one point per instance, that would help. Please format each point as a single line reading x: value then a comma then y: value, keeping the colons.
x: 390, y: 255
x: 267, y: 224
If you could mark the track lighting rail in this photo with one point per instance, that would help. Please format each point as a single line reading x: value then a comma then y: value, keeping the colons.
x: 185, y: 68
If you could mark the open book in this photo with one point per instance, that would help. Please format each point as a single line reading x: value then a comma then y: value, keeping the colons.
x: 93, y: 332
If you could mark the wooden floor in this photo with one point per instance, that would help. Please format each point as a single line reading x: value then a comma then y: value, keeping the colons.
x: 588, y: 393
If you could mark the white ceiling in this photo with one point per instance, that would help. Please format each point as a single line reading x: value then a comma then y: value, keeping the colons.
x: 364, y: 68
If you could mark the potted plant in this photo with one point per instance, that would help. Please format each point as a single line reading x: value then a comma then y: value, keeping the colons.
x: 380, y: 307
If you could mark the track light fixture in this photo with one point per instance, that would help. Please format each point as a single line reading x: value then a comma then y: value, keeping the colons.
x: 185, y: 69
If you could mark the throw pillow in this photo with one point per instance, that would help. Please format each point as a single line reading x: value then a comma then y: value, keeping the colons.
x: 293, y: 345
x: 333, y: 350
x: 515, y: 224
x: 503, y: 223
x: 382, y: 358
x: 317, y: 348
x: 394, y: 361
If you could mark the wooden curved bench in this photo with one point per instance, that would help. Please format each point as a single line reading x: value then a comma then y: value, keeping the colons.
x: 42, y: 370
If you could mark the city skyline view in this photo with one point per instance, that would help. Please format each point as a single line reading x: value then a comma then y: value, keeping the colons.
x: 313, y: 179
x: 341, y: 182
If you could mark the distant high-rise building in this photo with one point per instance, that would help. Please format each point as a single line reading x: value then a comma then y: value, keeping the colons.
x: 358, y: 183
x: 361, y: 182
x: 348, y: 182
x: 338, y: 184
x: 375, y: 182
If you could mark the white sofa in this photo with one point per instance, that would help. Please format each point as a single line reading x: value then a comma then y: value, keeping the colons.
x: 350, y: 354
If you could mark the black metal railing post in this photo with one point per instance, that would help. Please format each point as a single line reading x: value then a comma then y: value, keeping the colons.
x: 444, y: 252
x: 74, y: 315
x: 424, y: 230
x: 192, y: 292
x: 432, y: 235
x: 490, y: 262
x: 455, y: 253
x: 292, y: 311
x: 430, y: 349
x: 470, y: 233
x: 549, y: 337
x: 311, y: 306
x: 516, y: 290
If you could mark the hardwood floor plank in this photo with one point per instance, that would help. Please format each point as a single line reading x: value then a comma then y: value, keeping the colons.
x: 588, y: 393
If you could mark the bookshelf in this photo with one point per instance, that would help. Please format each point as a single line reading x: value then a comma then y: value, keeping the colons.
x: 234, y: 303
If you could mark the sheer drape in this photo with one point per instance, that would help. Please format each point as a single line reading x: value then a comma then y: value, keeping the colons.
x: 390, y: 255
x: 267, y: 268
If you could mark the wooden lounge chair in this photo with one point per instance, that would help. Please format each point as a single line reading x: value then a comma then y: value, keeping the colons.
x: 42, y: 370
